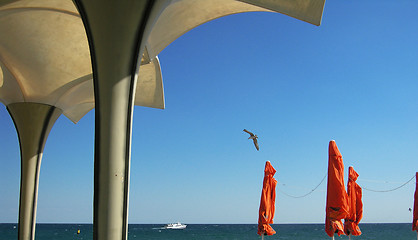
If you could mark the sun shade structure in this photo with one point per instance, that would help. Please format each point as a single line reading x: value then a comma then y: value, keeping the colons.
x: 337, y: 199
x: 45, y: 59
x: 415, y: 217
x: 267, y: 202
x: 54, y: 54
x: 45, y: 71
x: 355, y: 203
x: 181, y: 16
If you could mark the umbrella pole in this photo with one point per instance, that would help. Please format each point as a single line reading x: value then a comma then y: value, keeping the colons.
x: 262, y: 237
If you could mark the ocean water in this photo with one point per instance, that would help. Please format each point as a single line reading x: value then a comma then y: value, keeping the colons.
x: 397, y: 231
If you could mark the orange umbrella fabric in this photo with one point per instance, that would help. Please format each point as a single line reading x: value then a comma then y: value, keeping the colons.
x: 267, y: 202
x: 415, y: 221
x: 337, y: 199
x: 356, y: 205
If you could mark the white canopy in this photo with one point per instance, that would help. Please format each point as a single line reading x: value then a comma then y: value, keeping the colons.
x: 45, y: 57
x: 183, y: 15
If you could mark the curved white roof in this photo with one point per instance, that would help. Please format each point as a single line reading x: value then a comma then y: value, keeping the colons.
x: 183, y: 15
x: 45, y: 57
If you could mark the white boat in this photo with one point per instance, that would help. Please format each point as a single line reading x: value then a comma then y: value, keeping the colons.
x: 175, y: 226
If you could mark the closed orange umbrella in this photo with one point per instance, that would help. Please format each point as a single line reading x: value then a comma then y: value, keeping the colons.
x: 337, y: 199
x: 356, y: 205
x: 267, y: 202
x: 415, y: 221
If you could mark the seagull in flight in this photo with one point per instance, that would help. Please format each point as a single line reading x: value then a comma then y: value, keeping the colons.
x: 253, y: 137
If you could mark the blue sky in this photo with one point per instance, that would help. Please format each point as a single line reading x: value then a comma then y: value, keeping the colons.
x: 297, y: 86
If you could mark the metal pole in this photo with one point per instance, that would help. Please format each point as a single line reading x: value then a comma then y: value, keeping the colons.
x: 117, y: 32
x: 33, y: 122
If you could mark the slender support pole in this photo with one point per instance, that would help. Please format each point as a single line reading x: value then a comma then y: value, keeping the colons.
x: 33, y: 122
x: 117, y: 31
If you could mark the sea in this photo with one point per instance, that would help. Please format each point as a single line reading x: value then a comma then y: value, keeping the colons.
x: 382, y: 231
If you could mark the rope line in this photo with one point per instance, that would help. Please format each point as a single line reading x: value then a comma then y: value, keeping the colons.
x: 389, y: 190
x: 302, y: 196
x: 360, y: 179
x: 367, y: 189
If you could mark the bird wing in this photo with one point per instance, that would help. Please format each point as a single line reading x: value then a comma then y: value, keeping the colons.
x: 245, y: 130
x: 256, y: 144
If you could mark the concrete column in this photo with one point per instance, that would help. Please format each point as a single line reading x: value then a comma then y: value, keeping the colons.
x: 116, y: 31
x: 33, y: 122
